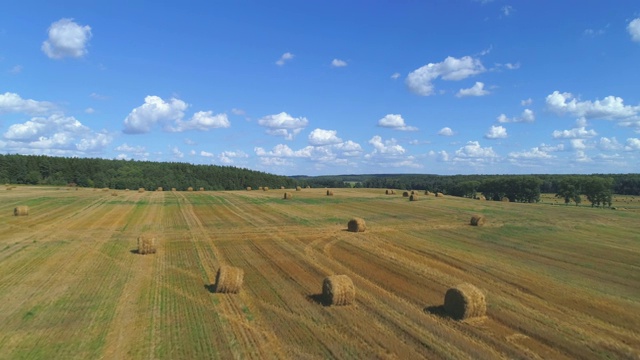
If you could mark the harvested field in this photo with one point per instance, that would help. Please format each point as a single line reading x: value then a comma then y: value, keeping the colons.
x: 561, y: 282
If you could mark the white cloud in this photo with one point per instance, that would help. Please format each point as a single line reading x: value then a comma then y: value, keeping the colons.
x: 527, y: 116
x: 551, y: 148
x: 632, y: 144
x: 136, y: 150
x: 97, y: 96
x: 89, y: 110
x: 320, y: 137
x: 283, y: 124
x: 203, y: 121
x: 575, y: 133
x: 56, y: 132
x: 496, y: 132
x: 176, y: 152
x: 609, y: 144
x: 349, y: 148
x: 534, y: 153
x: 153, y: 111
x: 511, y: 66
x: 578, y: 144
x: 446, y: 131
x: 526, y: 102
x: 229, y: 157
x: 206, y: 154
x: 235, y: 111
x: 581, y: 156
x: 395, y: 121
x: 189, y: 142
x: 420, y: 80
x: 284, y: 58
x: 507, y: 10
x: 388, y: 147
x: 282, y: 150
x: 395, y: 76
x: 13, y: 103
x: 609, y: 108
x: 16, y: 69
x: 475, y: 151
x: 66, y: 39
x: 634, y: 29
x: 475, y: 90
x: 439, y: 155
x: 338, y: 63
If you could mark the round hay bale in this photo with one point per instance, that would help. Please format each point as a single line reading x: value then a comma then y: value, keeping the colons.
x: 298, y: 188
x: 477, y: 220
x: 260, y: 188
x: 439, y: 194
x: 190, y: 188
x: 356, y: 225
x: 505, y: 199
x: 412, y: 192
x: 228, y: 279
x: 126, y: 189
x: 105, y: 189
x: 329, y: 192
x: 159, y: 188
x: 287, y: 196
x: 248, y: 188
x: 114, y: 194
x: 308, y: 187
x: 21, y: 210
x: 405, y: 194
x: 281, y: 187
x: 338, y: 290
x: 201, y: 189
x: 266, y: 188
x: 146, y: 244
x: 428, y: 193
x: 465, y: 301
x: 387, y: 192
x: 413, y: 197
x: 173, y: 189
x: 140, y: 190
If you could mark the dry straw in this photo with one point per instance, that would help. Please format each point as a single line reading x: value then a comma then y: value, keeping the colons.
x: 173, y: 189
x: 105, y: 189
x: 338, y: 290
x: 356, y: 225
x: 329, y: 192
x: 229, y: 279
x: 428, y: 193
x: 248, y: 188
x: 201, y: 189
x: 405, y: 194
x: 439, y: 194
x: 266, y: 188
x: 298, y: 188
x: 159, y: 188
x: 190, y: 188
x: 260, y: 188
x: 465, y: 301
x: 477, y: 220
x: 140, y: 190
x: 287, y: 196
x: 146, y: 244
x: 505, y: 199
x: 21, y: 210
x: 413, y: 197
x: 281, y: 187
x: 114, y: 194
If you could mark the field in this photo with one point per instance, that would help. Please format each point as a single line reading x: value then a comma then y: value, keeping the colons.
x: 561, y: 282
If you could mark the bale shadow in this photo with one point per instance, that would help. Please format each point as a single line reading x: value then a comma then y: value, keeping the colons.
x: 134, y: 251
x: 437, y: 310
x: 210, y: 288
x: 318, y: 299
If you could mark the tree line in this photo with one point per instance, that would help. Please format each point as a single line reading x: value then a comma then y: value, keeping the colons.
x: 130, y: 174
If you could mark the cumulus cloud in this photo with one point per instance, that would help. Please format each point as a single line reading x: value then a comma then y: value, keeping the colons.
x: 140, y: 151
x: 66, y: 39
x: 527, y: 117
x: 475, y: 90
x: 445, y: 131
x: 202, y: 120
x: 534, y: 153
x: 420, y: 81
x: 230, y: 157
x: 473, y: 150
x: 575, y: 133
x: 13, y: 103
x: 320, y: 137
x: 395, y: 121
x: 609, y: 144
x: 283, y: 124
x: 56, y: 132
x: 609, y: 108
x: 387, y: 147
x: 551, y: 148
x: 634, y: 29
x: 526, y: 102
x: 176, y: 152
x: 507, y: 10
x: 338, y: 63
x: 395, y: 76
x: 496, y: 132
x: 633, y: 144
x: 284, y: 58
x: 349, y: 148
x: 153, y: 111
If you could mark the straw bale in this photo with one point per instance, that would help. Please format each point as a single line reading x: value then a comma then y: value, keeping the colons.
x: 465, y: 301
x: 229, y: 279
x: 338, y: 290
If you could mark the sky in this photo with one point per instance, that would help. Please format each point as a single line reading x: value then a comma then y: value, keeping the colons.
x: 327, y: 87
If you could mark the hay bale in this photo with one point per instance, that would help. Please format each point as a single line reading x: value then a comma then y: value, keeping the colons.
x: 405, y: 194
x: 190, y: 188
x: 248, y: 188
x: 201, y: 189
x: 505, y: 199
x: 260, y: 188
x: 266, y: 188
x: 159, y: 188
x: 413, y: 197
x: 338, y: 290
x: 105, y: 189
x: 465, y: 301
x: 21, y: 210
x: 428, y: 193
x: 298, y: 188
x: 146, y: 244
x: 477, y: 220
x: 439, y: 194
x: 388, y: 192
x: 281, y: 187
x: 356, y: 225
x: 173, y: 189
x: 228, y: 279
x: 329, y: 192
x: 114, y: 194
x: 141, y: 190
x: 287, y: 195
x: 126, y: 189
x: 308, y: 187
x: 413, y: 192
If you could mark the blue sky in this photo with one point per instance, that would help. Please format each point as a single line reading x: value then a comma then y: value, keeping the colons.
x: 327, y: 87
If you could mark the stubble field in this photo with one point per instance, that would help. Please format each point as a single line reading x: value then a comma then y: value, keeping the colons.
x: 561, y: 282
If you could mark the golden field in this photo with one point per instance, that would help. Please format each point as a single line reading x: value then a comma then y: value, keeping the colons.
x: 561, y: 282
